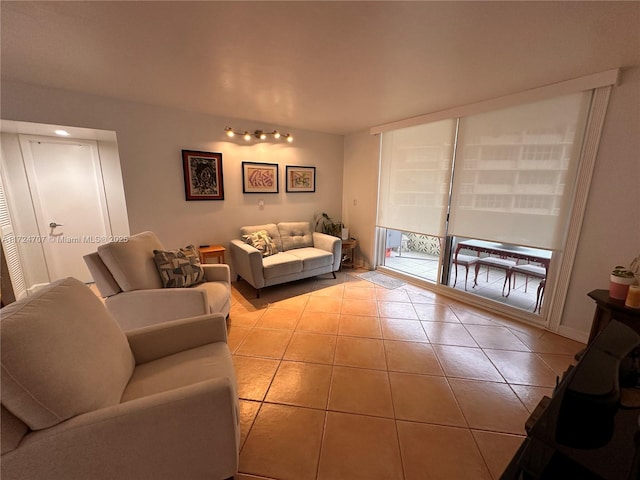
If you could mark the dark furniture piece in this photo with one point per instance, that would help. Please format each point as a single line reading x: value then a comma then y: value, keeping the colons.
x: 588, y: 429
x: 608, y: 309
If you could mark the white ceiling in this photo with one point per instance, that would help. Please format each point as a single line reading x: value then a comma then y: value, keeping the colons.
x: 334, y: 67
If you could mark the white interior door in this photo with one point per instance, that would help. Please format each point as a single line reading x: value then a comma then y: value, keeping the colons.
x: 65, y: 178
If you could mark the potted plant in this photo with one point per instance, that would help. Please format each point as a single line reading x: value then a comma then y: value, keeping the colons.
x: 621, y: 278
x: 325, y: 224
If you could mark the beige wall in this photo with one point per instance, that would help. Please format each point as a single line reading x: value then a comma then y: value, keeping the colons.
x: 150, y: 140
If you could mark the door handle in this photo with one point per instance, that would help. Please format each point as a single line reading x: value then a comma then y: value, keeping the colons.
x: 54, y: 225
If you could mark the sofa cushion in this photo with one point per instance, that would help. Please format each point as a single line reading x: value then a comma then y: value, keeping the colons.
x: 271, y: 228
x: 281, y: 264
x: 312, y: 257
x: 131, y: 262
x: 261, y: 241
x: 295, y: 235
x: 181, y: 369
x: 179, y: 268
x: 62, y: 355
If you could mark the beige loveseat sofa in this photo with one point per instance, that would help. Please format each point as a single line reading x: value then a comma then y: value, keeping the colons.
x: 299, y: 253
x: 83, y: 400
x: 127, y: 277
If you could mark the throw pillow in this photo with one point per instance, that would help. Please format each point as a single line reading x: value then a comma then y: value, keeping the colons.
x: 261, y: 241
x: 179, y: 268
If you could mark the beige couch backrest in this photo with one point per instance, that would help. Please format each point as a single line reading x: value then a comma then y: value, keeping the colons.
x: 131, y: 263
x: 62, y: 355
x: 271, y: 229
x: 295, y: 235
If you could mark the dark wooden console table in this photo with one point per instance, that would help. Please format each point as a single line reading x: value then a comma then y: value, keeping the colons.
x: 608, y: 309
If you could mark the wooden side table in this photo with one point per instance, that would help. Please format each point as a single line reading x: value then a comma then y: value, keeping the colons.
x: 214, y: 251
x: 348, y: 253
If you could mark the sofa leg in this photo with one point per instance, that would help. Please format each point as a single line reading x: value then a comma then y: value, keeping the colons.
x: 257, y: 293
x: 334, y: 274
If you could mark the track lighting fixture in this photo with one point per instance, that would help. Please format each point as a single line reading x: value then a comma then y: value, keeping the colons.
x: 259, y: 134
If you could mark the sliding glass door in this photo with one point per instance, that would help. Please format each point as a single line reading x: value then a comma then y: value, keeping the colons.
x: 503, y: 180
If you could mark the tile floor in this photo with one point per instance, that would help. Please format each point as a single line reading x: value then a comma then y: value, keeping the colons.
x: 424, y: 266
x: 344, y: 380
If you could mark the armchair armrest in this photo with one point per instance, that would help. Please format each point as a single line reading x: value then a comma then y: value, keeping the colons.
x: 330, y: 244
x: 140, y: 308
x: 164, y: 339
x: 216, y: 272
x: 162, y: 436
x: 247, y: 262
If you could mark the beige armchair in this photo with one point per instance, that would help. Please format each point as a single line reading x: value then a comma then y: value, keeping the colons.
x: 127, y: 277
x: 83, y: 400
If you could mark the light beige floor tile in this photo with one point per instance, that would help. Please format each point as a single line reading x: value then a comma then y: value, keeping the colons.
x: 292, y: 453
x: 254, y: 376
x: 437, y: 452
x: 402, y: 310
x: 359, y: 326
x: 279, y: 318
x: 421, y: 296
x: 530, y: 395
x: 360, y: 307
x: 497, y: 449
x: 551, y: 343
x: 423, y: 398
x: 499, y: 338
x: 246, y: 476
x: 245, y: 319
x: 473, y: 317
x: 558, y: 363
x: 490, y: 406
x: 356, y: 447
x: 409, y: 330
x: 466, y: 362
x: 412, y: 357
x: 443, y: 333
x: 311, y: 347
x: 392, y: 295
x: 301, y: 384
x: 435, y: 312
x: 262, y: 342
x: 248, y: 412
x: 523, y: 368
x: 318, y: 322
x: 360, y: 352
x: 235, y: 336
x: 358, y: 390
x: 359, y: 293
x: 297, y: 302
x: 324, y: 290
x: 324, y: 304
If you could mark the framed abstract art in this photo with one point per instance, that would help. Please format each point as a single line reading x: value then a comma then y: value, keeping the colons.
x: 202, y: 175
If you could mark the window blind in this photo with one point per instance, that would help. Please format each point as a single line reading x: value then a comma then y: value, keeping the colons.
x: 415, y: 177
x: 515, y: 171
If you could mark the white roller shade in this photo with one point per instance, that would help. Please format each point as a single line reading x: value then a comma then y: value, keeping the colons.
x: 515, y: 172
x: 415, y: 176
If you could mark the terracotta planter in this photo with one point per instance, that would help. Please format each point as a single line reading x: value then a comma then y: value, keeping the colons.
x: 619, y: 286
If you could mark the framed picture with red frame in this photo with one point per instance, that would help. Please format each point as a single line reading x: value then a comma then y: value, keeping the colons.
x: 202, y: 175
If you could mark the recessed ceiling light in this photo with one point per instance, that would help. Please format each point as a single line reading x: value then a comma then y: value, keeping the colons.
x: 62, y: 133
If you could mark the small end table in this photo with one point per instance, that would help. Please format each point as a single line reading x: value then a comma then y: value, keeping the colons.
x: 348, y: 253
x: 214, y: 251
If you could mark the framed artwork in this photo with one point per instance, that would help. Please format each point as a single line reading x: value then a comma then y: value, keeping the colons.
x: 301, y: 179
x: 202, y: 175
x: 259, y: 177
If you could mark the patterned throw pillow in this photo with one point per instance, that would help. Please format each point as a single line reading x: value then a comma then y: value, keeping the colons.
x: 179, y: 268
x: 261, y: 241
